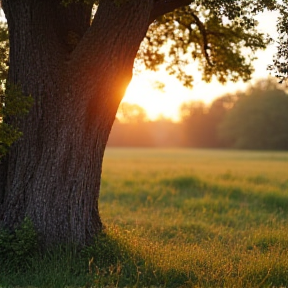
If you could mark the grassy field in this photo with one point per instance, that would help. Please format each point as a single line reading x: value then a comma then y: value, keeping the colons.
x: 181, y: 218
x: 205, y: 218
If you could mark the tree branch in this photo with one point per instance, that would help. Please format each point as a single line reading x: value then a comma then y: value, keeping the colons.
x: 204, y: 33
x: 162, y: 7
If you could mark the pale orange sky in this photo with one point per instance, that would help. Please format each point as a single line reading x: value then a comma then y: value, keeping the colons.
x: 167, y: 103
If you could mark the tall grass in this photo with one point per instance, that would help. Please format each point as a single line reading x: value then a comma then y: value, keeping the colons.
x: 180, y: 218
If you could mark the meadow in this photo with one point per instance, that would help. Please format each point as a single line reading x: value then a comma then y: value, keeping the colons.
x: 180, y: 218
x: 204, y: 218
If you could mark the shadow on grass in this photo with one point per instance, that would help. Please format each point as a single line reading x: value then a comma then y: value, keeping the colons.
x: 112, y: 261
x: 117, y: 260
x: 59, y: 267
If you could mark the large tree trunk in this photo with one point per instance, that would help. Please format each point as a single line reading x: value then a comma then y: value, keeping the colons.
x: 77, y: 75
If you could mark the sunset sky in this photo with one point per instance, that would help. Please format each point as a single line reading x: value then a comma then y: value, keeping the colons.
x: 166, y: 103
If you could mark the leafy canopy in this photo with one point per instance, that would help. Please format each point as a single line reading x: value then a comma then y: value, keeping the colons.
x: 211, y: 32
x: 280, y: 66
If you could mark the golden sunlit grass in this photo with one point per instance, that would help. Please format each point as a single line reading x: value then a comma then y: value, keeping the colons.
x: 178, y: 218
x: 215, y: 218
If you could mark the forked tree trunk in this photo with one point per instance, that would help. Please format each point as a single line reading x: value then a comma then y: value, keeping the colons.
x: 77, y: 75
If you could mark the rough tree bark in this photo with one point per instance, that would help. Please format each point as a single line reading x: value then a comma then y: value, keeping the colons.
x: 77, y: 74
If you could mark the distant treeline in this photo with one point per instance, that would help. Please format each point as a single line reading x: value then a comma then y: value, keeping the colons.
x: 254, y: 119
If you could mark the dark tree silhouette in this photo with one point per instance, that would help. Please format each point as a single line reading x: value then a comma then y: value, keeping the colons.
x: 259, y: 119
